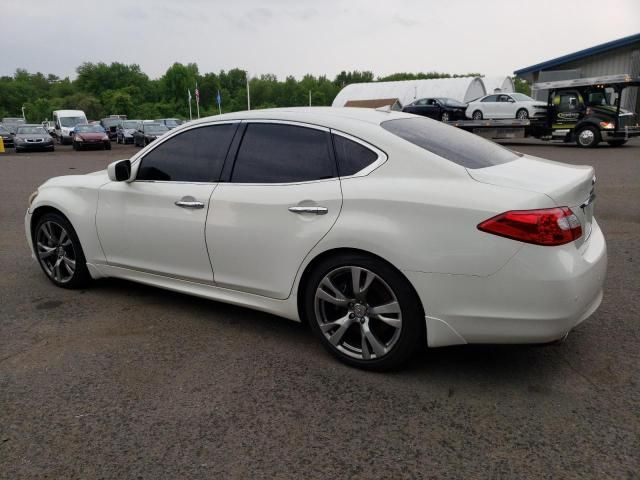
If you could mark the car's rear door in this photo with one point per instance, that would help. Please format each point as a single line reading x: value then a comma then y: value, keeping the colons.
x: 282, y: 196
x: 156, y: 223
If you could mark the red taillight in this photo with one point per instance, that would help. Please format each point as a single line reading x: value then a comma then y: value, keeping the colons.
x: 552, y: 226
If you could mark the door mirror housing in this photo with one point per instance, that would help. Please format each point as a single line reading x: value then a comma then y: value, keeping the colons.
x: 119, y: 171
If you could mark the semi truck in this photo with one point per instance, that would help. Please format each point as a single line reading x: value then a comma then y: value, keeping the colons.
x: 585, y: 111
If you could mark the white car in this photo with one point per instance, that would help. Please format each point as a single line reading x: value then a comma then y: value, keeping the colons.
x: 383, y: 230
x: 506, y: 105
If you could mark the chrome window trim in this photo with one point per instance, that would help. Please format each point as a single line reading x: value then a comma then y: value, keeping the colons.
x: 382, y: 156
x: 138, y: 157
x: 284, y: 184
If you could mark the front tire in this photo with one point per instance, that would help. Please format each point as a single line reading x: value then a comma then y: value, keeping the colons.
x: 477, y: 115
x: 364, y: 311
x: 522, y: 114
x: 59, y: 252
x: 445, y: 117
x: 588, y: 137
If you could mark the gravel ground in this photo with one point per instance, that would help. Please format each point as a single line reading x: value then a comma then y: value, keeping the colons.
x: 127, y: 381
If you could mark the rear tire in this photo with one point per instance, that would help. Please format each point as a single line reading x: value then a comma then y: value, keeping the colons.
x: 59, y: 252
x: 588, y: 137
x: 616, y: 143
x: 345, y: 320
x: 477, y: 115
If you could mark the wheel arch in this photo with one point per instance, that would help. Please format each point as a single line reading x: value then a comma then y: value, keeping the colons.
x: 311, y: 265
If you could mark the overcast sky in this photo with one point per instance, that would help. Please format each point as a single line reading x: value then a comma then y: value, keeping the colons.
x: 294, y: 37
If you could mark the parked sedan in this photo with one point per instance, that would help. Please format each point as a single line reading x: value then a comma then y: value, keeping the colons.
x: 170, y: 122
x: 90, y: 136
x: 126, y: 130
x: 32, y: 137
x: 147, y: 132
x: 384, y: 231
x: 506, y: 105
x: 444, y: 109
x: 7, y: 138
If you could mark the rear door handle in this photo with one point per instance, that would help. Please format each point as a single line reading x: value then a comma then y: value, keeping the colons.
x: 315, y: 210
x: 189, y: 202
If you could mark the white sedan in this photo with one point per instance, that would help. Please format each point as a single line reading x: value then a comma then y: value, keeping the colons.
x: 384, y: 231
x: 506, y: 105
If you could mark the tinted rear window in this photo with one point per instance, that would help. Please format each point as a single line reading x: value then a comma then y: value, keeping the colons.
x: 456, y: 145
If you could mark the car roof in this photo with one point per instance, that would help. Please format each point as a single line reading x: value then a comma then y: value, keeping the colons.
x: 326, y: 116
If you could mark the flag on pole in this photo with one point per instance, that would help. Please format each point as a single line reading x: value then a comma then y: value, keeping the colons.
x: 197, y: 100
x: 189, y: 97
x: 219, y: 102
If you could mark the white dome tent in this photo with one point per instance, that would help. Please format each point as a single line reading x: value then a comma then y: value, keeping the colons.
x: 463, y: 89
x: 498, y: 83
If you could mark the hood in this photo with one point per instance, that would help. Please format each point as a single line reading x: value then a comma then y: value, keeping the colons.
x: 33, y: 136
x: 91, y: 135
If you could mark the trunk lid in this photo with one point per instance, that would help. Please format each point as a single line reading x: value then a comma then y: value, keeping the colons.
x: 567, y: 185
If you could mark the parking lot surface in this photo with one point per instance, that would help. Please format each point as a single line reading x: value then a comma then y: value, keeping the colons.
x: 127, y: 381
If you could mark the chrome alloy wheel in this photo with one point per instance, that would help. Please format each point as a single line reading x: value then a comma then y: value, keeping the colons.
x: 586, y: 137
x: 55, y: 251
x: 522, y: 114
x: 445, y: 116
x: 358, y: 312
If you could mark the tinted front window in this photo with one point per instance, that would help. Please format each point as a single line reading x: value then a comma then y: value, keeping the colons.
x: 457, y: 146
x: 31, y: 131
x: 272, y: 153
x: 196, y: 155
x: 72, y: 121
x: 352, y: 156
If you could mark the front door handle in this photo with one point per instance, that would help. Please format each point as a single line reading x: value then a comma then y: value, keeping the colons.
x: 315, y: 210
x: 189, y: 202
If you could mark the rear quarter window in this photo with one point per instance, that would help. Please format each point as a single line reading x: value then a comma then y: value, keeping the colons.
x: 457, y: 146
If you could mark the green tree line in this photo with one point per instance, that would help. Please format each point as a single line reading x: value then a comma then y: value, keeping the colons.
x: 101, y: 90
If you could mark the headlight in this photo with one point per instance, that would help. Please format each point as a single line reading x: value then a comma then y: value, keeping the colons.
x: 32, y: 197
x: 607, y: 125
x: 105, y: 137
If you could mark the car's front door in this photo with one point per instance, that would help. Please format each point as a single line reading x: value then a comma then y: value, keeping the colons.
x: 282, y: 197
x: 156, y: 223
x: 505, y: 107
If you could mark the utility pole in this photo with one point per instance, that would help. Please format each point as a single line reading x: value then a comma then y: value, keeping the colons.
x: 309, y: 97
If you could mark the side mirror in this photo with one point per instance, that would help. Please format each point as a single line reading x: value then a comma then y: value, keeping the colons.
x: 119, y: 171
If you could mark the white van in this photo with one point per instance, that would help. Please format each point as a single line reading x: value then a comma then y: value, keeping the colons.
x: 65, y: 121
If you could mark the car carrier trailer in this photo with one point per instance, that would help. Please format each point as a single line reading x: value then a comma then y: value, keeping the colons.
x: 586, y: 111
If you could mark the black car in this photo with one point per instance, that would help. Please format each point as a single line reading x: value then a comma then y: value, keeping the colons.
x: 7, y: 138
x: 444, y: 109
x: 110, y: 125
x: 147, y: 132
x: 32, y: 137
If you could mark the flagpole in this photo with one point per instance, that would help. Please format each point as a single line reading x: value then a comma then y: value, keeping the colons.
x: 248, y: 94
x: 189, y: 97
x: 309, y: 97
x: 197, y: 100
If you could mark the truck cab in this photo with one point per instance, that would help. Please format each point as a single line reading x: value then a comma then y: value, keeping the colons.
x: 587, y: 110
x: 65, y: 121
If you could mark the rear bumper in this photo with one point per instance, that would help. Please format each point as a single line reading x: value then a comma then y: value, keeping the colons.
x: 537, y: 297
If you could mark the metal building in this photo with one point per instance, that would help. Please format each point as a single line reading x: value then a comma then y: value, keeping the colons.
x: 611, y: 58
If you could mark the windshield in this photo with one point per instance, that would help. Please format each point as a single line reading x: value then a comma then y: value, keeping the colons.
x: 31, y: 130
x: 172, y: 122
x: 130, y: 124
x: 450, y: 102
x: 89, y: 129
x: 155, y: 128
x: 521, y: 97
x: 72, y: 121
x: 460, y: 147
x: 110, y: 122
x: 3, y: 130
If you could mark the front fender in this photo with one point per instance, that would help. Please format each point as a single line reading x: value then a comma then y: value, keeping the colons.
x: 79, y: 205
